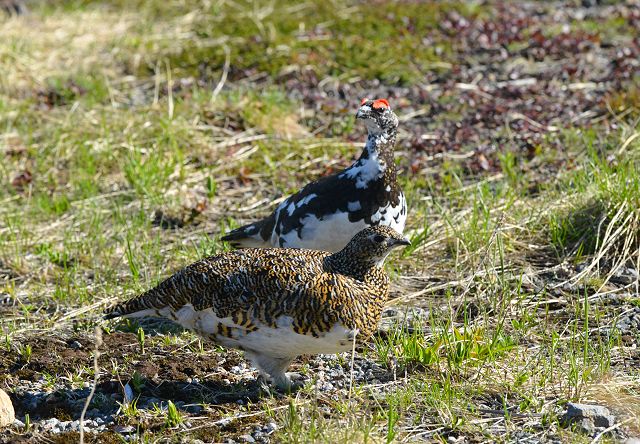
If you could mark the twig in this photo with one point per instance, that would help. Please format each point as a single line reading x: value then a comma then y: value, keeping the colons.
x: 169, y: 91
x: 225, y: 73
x: 353, y: 358
x: 96, y: 376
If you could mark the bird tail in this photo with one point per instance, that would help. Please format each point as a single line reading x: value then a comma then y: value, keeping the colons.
x: 150, y: 303
x: 134, y: 308
x: 251, y: 235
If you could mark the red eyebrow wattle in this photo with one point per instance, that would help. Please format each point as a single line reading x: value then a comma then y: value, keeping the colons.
x: 381, y: 103
x: 363, y: 101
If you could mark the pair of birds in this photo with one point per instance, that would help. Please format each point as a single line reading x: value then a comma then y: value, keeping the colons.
x: 324, y: 284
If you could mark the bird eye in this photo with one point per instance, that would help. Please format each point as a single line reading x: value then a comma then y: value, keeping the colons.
x: 378, y: 238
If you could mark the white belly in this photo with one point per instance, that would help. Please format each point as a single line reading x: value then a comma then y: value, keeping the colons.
x: 274, y: 341
x: 333, y: 232
x: 283, y: 341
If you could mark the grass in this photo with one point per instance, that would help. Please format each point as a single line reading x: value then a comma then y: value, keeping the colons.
x: 132, y: 134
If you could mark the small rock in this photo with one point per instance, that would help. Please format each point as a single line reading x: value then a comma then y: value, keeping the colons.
x: 124, y: 430
x: 7, y: 413
x: 149, y: 403
x: 19, y: 424
x: 128, y: 393
x: 588, y: 416
x: 585, y: 425
x: 50, y: 424
x: 193, y: 408
x: 75, y: 345
x: 270, y: 427
x: 246, y: 438
x: 405, y: 318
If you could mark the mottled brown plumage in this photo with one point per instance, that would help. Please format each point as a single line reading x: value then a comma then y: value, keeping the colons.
x: 277, y: 304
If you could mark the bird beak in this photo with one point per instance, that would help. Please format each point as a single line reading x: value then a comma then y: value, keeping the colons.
x: 402, y: 242
x: 364, y: 112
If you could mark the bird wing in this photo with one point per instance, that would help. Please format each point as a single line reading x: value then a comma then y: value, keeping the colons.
x: 227, y: 283
x: 325, y: 196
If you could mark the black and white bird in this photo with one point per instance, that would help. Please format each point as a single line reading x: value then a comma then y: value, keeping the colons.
x: 326, y: 213
x: 276, y: 304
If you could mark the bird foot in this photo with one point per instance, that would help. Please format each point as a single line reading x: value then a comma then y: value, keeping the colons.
x: 288, y: 383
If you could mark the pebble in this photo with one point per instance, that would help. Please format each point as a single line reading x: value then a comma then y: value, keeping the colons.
x: 150, y: 402
x: 401, y: 317
x: 7, y: 413
x: 630, y: 321
x: 246, y: 438
x: 50, y: 423
x: 193, y: 408
x: 124, y: 430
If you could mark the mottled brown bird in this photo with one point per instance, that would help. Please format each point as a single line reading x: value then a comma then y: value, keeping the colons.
x: 276, y: 304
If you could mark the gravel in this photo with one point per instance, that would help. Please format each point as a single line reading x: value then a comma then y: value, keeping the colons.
x: 630, y: 321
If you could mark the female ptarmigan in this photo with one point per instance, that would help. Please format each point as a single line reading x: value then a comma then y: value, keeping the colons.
x: 325, y: 214
x: 276, y: 304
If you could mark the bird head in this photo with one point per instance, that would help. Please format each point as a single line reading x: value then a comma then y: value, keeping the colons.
x: 373, y: 244
x: 377, y: 116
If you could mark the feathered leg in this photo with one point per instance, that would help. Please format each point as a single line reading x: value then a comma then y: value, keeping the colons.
x: 274, y: 368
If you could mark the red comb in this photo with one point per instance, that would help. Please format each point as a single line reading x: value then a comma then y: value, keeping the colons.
x: 381, y: 103
x: 363, y: 101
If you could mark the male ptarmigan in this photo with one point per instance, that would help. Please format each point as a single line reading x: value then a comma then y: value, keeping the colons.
x: 325, y: 214
x: 276, y: 304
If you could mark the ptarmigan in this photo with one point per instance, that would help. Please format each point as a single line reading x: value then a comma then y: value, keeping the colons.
x: 276, y: 304
x: 325, y: 214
